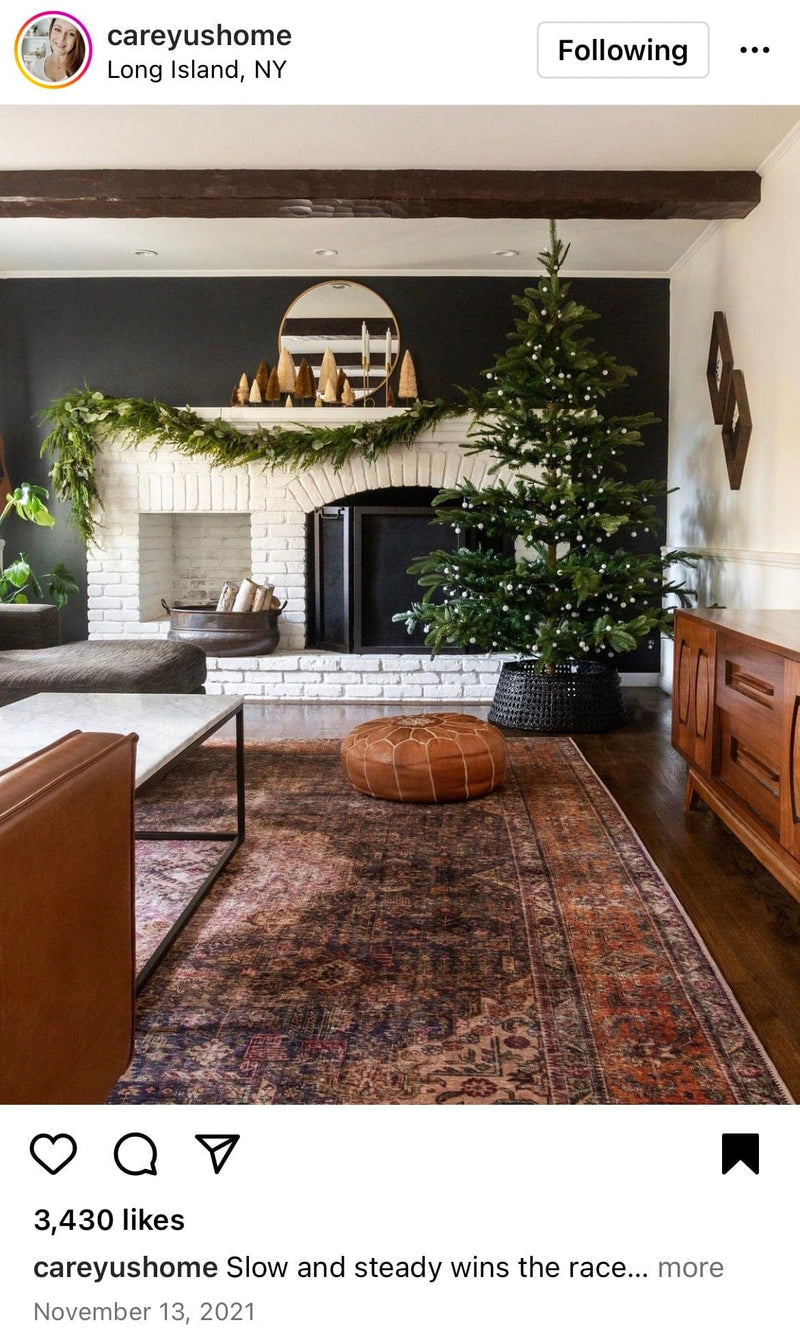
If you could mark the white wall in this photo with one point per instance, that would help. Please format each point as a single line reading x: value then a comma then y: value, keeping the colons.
x: 750, y: 270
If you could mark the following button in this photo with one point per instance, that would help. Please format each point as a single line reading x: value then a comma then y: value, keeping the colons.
x: 623, y: 50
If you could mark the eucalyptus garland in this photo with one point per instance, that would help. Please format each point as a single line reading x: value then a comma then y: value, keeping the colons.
x: 83, y: 419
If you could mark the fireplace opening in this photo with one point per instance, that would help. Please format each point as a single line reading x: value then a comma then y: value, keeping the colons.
x: 358, y: 552
x: 189, y: 556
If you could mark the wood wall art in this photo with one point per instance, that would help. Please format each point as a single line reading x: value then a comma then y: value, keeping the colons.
x: 720, y: 366
x: 736, y: 428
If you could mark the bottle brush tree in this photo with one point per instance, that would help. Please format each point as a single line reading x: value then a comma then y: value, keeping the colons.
x: 578, y: 580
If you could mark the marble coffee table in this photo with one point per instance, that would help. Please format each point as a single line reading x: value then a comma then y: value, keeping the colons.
x: 168, y: 725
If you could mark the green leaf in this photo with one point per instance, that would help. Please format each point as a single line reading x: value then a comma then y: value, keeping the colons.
x: 621, y: 640
x: 586, y: 582
x: 17, y: 573
x: 28, y: 503
x: 62, y: 585
x: 610, y: 524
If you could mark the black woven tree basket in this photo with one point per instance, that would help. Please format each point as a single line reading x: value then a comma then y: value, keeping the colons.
x: 575, y: 697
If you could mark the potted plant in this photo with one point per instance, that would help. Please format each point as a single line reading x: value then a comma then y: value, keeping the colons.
x: 18, y: 578
x: 577, y: 581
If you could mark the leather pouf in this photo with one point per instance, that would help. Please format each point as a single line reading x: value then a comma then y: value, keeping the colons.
x: 425, y: 757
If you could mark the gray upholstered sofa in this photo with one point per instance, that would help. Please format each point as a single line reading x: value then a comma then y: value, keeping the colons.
x: 33, y: 662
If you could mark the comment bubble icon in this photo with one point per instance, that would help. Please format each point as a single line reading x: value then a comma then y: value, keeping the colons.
x: 136, y: 1153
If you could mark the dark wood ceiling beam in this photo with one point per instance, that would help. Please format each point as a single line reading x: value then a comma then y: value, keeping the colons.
x: 400, y: 194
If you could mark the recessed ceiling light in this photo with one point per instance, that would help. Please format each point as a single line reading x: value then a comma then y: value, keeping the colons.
x: 340, y: 284
x: 506, y: 253
x: 325, y: 251
x: 145, y: 251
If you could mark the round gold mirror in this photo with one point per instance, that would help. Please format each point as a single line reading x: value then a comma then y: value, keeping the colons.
x: 355, y: 324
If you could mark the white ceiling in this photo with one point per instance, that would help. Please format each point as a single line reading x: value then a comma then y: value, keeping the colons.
x: 615, y: 138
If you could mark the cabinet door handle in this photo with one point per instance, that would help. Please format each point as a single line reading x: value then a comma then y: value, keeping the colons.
x: 752, y: 687
x: 758, y: 769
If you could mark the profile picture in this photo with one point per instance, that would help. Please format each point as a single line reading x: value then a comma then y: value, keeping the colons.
x: 53, y: 49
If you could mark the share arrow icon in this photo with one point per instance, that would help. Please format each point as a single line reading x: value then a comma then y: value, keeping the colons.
x: 218, y: 1146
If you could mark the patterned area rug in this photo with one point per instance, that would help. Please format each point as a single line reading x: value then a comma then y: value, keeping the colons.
x: 517, y: 949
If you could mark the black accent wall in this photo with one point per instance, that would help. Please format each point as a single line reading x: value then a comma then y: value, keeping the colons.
x: 187, y: 341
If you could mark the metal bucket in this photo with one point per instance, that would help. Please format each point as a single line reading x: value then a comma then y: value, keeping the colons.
x: 227, y: 633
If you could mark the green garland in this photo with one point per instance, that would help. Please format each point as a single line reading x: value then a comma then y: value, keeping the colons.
x: 83, y: 419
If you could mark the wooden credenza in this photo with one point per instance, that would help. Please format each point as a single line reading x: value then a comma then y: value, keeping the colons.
x: 736, y: 719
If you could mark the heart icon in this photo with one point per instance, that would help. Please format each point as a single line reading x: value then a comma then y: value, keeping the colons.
x: 53, y: 1153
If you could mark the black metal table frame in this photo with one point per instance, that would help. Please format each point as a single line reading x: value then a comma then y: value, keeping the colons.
x: 232, y: 841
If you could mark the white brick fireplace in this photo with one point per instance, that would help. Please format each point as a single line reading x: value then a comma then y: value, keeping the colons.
x: 173, y: 527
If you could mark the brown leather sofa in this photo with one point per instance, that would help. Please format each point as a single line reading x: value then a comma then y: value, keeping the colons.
x: 67, y: 920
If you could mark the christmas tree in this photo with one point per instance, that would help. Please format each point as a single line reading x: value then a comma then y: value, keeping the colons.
x: 573, y: 584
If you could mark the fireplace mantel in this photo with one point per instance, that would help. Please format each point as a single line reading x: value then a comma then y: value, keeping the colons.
x: 164, y: 510
x: 334, y: 415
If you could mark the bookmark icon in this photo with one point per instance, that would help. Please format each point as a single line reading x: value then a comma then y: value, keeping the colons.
x: 218, y: 1146
x: 740, y: 1147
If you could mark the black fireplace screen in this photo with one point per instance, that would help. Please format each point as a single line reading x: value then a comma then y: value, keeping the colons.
x: 359, y: 550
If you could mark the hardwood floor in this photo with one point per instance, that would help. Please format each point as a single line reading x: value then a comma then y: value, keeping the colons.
x: 749, y: 923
